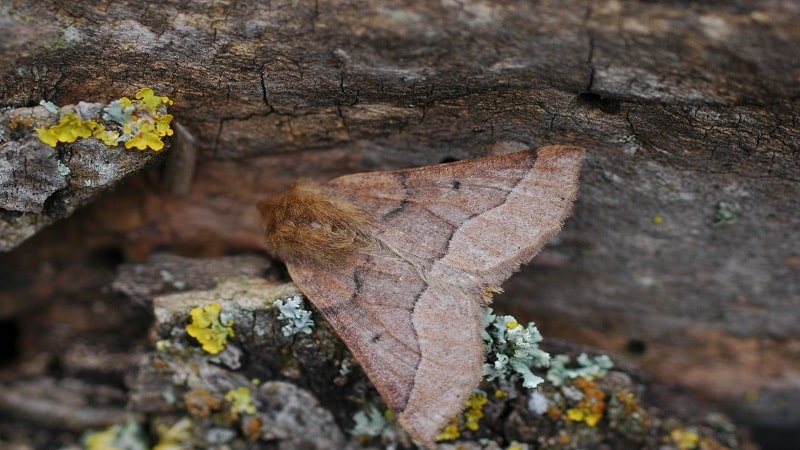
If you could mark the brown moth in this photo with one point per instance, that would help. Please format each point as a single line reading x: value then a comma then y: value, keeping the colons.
x: 400, y: 263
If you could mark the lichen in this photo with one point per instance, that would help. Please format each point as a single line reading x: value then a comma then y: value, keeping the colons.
x: 591, y: 407
x: 468, y: 420
x: 140, y: 123
x: 371, y: 424
x: 201, y: 403
x: 175, y: 437
x: 297, y: 318
x: 168, y: 277
x: 513, y: 350
x: 727, y: 214
x: 209, y: 329
x: 117, y: 437
x: 685, y: 439
x: 69, y: 128
x: 589, y: 367
x: 241, y: 401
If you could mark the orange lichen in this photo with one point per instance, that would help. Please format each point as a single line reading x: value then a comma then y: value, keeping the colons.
x: 251, y: 428
x: 201, y: 403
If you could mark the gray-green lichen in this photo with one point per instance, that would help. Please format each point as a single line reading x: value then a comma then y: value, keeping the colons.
x: 292, y: 312
x: 727, y: 214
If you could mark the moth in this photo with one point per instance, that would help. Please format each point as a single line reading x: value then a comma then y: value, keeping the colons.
x: 401, y: 262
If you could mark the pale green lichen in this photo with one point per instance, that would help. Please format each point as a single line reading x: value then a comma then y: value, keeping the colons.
x: 727, y: 214
x: 210, y: 328
x: 537, y: 403
x: 49, y: 106
x: 513, y: 350
x: 168, y: 277
x: 140, y: 123
x: 345, y: 367
x: 63, y: 169
x: 589, y: 368
x: 297, y: 317
x: 371, y: 423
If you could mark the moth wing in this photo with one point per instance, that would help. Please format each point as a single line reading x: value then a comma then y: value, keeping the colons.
x: 417, y: 342
x: 412, y: 317
x: 481, y: 217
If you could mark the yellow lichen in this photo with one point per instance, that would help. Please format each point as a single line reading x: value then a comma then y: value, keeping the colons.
x: 145, y: 138
x: 241, y: 401
x: 102, y: 440
x: 450, y: 432
x: 591, y: 408
x: 176, y: 437
x: 116, y: 437
x: 474, y: 412
x: 68, y: 129
x: 684, y: 439
x: 140, y: 123
x: 109, y: 137
x: 207, y: 328
x: 148, y: 98
x: 471, y: 418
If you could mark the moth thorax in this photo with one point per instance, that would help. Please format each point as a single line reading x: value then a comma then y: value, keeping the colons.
x: 309, y: 224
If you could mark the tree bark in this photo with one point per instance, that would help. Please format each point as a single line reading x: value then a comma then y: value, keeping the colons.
x: 683, y: 247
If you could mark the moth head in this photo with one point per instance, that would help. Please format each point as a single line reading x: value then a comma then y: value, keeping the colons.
x: 309, y: 223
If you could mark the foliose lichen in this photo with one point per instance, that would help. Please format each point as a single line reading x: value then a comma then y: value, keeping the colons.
x: 141, y: 123
x: 588, y: 367
x: 175, y: 437
x: 591, y: 407
x: 727, y: 214
x: 297, y: 318
x: 468, y: 420
x: 241, y: 401
x: 129, y: 436
x: 513, y: 350
x: 372, y: 424
x: 210, y: 328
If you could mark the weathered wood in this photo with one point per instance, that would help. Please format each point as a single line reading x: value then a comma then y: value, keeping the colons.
x: 681, y: 106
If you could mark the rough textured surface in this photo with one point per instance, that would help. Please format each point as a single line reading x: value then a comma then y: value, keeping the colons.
x: 305, y: 390
x: 681, y: 105
x: 40, y: 184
